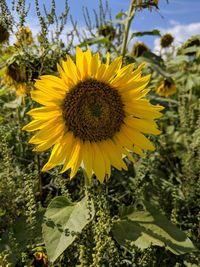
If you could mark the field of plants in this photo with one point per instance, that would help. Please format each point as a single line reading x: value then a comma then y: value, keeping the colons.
x: 99, y: 140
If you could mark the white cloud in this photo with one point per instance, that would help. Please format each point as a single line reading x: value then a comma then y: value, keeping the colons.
x: 181, y: 33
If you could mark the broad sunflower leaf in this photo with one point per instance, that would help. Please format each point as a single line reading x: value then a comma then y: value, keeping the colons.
x: 155, y: 62
x: 63, y: 220
x: 146, y: 228
x: 153, y: 32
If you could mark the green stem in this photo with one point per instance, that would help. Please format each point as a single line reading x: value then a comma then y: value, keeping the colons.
x: 86, y: 179
x: 39, y: 175
x: 130, y: 17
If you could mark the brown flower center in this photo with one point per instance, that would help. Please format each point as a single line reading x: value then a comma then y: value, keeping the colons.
x: 93, y: 110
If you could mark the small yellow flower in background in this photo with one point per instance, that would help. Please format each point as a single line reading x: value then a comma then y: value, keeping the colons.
x: 24, y: 36
x: 166, y: 40
x: 92, y: 115
x: 138, y: 49
x: 166, y: 88
x: 15, y: 77
x: 4, y: 34
x: 40, y: 258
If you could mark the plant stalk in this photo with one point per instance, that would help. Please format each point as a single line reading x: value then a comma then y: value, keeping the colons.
x: 130, y: 17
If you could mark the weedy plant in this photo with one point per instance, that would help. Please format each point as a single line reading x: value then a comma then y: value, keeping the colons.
x: 113, y: 178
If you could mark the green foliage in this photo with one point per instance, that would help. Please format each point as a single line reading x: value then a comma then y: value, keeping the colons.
x: 116, y: 224
x: 153, y: 32
x: 149, y: 228
x: 63, y: 221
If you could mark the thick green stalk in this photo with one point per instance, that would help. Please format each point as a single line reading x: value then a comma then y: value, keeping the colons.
x: 130, y: 17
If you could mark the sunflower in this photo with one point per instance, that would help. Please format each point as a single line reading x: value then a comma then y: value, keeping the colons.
x: 139, y: 49
x: 93, y: 115
x: 24, y: 36
x: 166, y: 88
x: 166, y: 40
x: 14, y: 76
x: 40, y: 259
x: 107, y: 31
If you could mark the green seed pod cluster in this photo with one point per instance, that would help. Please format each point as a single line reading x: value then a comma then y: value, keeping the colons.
x: 105, y: 251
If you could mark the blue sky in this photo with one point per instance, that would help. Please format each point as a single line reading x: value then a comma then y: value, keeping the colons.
x: 180, y: 17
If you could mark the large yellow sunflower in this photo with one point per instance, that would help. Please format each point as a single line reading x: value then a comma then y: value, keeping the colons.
x: 92, y: 115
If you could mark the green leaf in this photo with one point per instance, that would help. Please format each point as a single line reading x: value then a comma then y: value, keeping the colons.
x: 153, y: 32
x: 178, y: 60
x: 97, y: 40
x: 146, y: 228
x: 63, y: 221
x: 2, y: 92
x: 120, y: 15
x: 21, y: 233
x: 191, y: 49
x: 15, y: 103
x: 155, y: 62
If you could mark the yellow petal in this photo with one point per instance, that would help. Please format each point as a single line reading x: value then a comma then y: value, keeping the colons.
x: 45, y: 99
x: 74, y: 159
x: 144, y: 126
x: 87, y: 158
x: 67, y: 80
x: 107, y: 162
x: 139, y: 139
x: 70, y: 70
x: 136, y: 84
x: 48, y: 132
x: 98, y: 163
x: 138, y: 151
x: 35, y: 125
x: 60, y: 152
x: 100, y: 71
x: 81, y: 63
x: 114, y: 154
x: 112, y: 69
x: 53, y: 83
x: 123, y: 76
x: 141, y: 110
x: 94, y: 65
x: 45, y: 113
x: 87, y: 62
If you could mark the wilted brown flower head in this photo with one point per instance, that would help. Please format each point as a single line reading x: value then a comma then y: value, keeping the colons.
x: 107, y: 31
x: 4, y: 34
x: 138, y: 49
x: 166, y: 40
